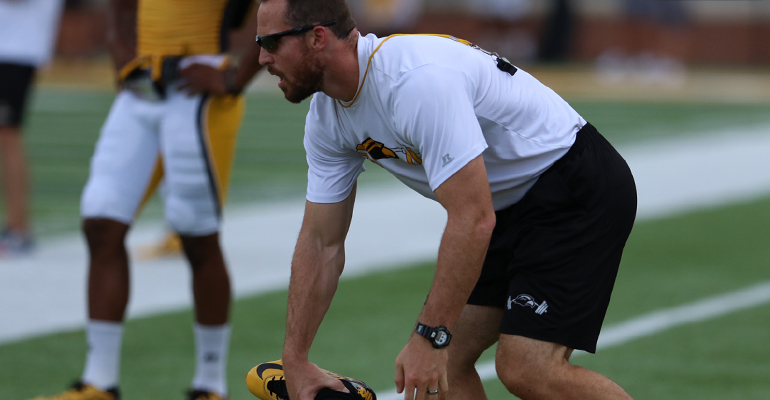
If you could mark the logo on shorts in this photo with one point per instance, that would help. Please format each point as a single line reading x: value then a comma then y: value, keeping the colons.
x: 526, y: 300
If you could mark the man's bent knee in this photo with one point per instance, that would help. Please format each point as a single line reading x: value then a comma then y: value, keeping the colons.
x: 475, y: 331
x: 529, y: 367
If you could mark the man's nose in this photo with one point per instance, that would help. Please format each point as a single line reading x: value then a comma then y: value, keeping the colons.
x: 265, y: 57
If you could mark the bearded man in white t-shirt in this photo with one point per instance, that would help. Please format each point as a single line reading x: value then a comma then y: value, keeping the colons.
x: 539, y: 204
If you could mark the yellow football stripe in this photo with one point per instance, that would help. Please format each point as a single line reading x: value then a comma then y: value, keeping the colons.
x: 223, y: 119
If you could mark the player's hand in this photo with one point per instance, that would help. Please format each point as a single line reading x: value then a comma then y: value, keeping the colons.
x: 420, y: 368
x: 305, y: 379
x: 200, y: 78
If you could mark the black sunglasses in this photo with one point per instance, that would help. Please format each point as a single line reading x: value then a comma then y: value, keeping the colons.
x: 270, y: 42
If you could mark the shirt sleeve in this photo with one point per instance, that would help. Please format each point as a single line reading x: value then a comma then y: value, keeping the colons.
x: 332, y: 169
x: 434, y: 110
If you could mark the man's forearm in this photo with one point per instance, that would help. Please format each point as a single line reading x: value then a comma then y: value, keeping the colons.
x: 121, y: 34
x: 470, y: 222
x: 316, y: 267
x: 248, y: 66
x: 314, y: 276
x: 461, y: 255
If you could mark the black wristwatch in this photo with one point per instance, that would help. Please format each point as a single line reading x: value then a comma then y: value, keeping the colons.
x: 439, y: 336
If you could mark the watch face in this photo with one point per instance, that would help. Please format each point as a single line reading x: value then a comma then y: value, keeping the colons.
x: 439, y: 336
x: 441, y: 339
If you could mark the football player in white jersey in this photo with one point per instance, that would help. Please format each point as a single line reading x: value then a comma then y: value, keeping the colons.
x: 176, y: 116
x: 539, y: 204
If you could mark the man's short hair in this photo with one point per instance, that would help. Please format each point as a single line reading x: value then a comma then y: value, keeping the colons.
x: 311, y: 12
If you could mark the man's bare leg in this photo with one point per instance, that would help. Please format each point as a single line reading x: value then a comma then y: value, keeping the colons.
x: 211, y: 283
x: 475, y: 331
x: 15, y: 179
x: 108, y: 288
x: 533, y: 369
x: 211, y: 291
x: 108, y: 277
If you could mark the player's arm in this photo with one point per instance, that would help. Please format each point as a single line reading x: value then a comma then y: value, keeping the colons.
x: 248, y: 67
x: 199, y: 78
x: 470, y: 220
x: 319, y: 258
x: 121, y: 34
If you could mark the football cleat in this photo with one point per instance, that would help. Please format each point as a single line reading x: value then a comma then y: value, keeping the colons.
x: 82, y: 391
x: 194, y: 394
x: 267, y: 382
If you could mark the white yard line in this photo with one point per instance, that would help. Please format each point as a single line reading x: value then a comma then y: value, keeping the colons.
x: 655, y: 322
x: 392, y: 226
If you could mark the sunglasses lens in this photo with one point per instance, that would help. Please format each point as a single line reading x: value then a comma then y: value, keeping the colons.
x: 268, y: 43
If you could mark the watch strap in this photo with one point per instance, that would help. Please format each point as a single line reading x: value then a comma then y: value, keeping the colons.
x: 423, y: 330
x: 438, y: 337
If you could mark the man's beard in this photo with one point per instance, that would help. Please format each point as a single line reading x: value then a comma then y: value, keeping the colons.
x: 309, y: 80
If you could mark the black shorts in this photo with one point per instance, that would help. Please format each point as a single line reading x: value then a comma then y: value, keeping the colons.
x: 553, y: 256
x: 15, y: 81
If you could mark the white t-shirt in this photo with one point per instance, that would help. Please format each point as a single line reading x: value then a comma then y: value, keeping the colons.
x: 427, y: 106
x: 28, y: 30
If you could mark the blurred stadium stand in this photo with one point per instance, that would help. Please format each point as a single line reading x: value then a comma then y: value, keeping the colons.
x: 716, y: 32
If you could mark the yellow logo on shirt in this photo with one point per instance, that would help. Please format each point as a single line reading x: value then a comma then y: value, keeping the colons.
x: 374, y: 150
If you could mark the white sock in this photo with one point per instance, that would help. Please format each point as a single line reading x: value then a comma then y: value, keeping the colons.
x: 212, y: 343
x: 103, y: 358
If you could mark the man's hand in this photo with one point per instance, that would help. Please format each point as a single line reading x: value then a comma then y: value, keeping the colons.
x: 305, y: 379
x: 200, y: 78
x: 421, y: 368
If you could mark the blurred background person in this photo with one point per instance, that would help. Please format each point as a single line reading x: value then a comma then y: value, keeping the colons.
x: 27, y: 39
x: 500, y: 28
x: 387, y: 17
x: 175, y: 118
x: 556, y: 36
x: 658, y: 45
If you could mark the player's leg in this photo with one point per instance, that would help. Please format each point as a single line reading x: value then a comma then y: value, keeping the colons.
x: 534, y: 369
x: 475, y: 331
x: 566, y: 239
x: 170, y: 244
x: 211, y: 294
x: 15, y: 179
x: 211, y: 284
x: 15, y: 81
x: 198, y: 144
x: 108, y: 288
x: 120, y: 170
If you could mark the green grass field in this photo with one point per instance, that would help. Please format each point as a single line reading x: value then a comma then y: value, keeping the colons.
x: 270, y: 163
x: 668, y: 262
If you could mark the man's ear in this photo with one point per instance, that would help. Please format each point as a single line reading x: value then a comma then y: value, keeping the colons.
x: 318, y: 38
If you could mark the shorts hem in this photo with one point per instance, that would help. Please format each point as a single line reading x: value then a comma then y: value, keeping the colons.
x: 551, y: 338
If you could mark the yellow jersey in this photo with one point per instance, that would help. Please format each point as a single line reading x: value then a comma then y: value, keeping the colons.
x: 187, y: 27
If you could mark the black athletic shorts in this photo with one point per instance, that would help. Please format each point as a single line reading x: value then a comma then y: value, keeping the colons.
x: 15, y: 80
x: 553, y: 256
